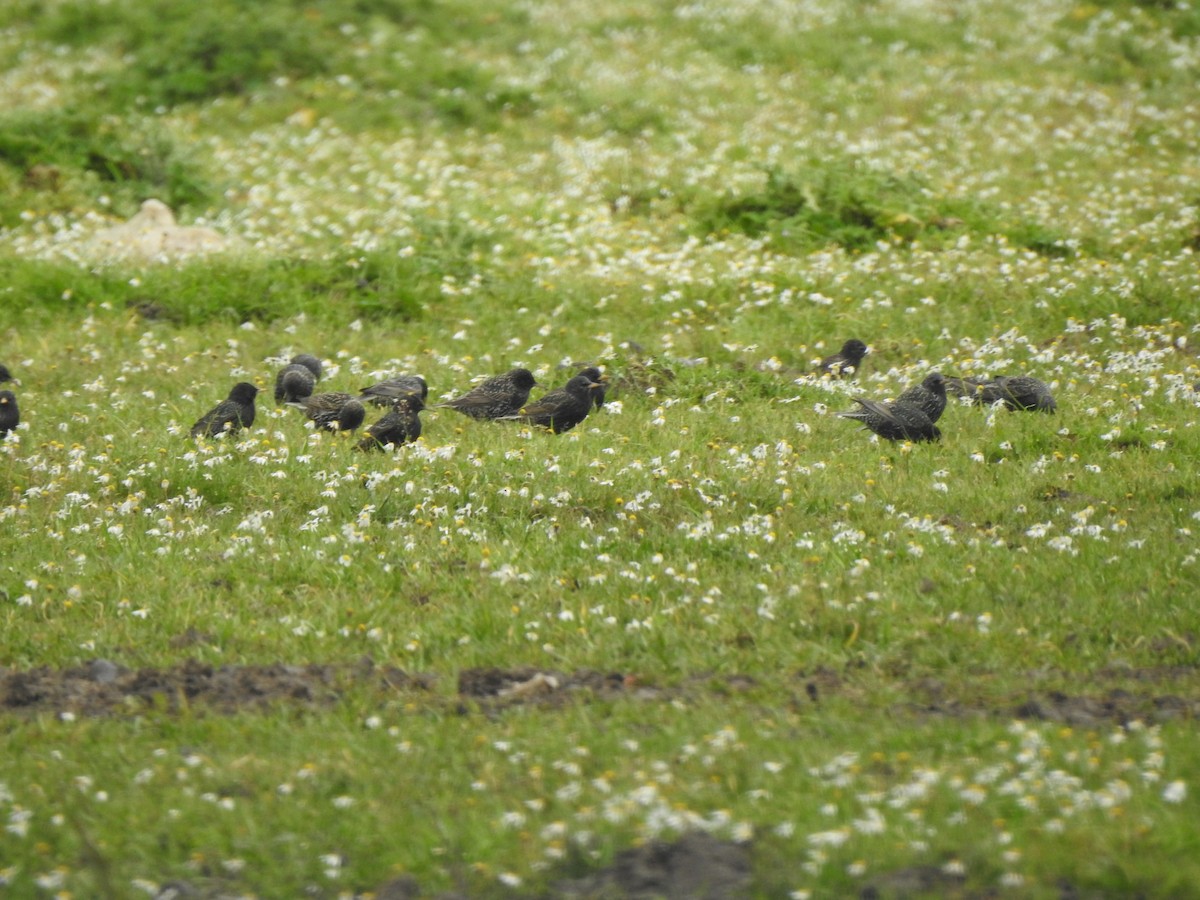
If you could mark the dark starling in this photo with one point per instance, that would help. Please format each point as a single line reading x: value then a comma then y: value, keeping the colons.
x: 564, y: 408
x: 383, y: 393
x: 929, y: 396
x: 595, y: 375
x: 333, y: 410
x: 294, y: 382
x: 309, y: 362
x: 10, y: 416
x: 499, y: 396
x: 5, y: 375
x: 894, y: 421
x: 399, y: 426
x: 231, y: 414
x: 1017, y: 392
x: 846, y: 361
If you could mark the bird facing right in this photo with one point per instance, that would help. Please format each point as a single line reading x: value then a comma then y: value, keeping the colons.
x: 564, y: 408
x: 332, y: 410
x: 894, y: 421
x: 230, y: 415
x: 846, y: 361
x: 929, y: 396
x: 10, y: 415
x: 499, y: 396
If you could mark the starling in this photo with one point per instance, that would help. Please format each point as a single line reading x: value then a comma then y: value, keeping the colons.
x: 929, y: 396
x: 846, y: 361
x: 231, y: 414
x: 333, y: 410
x: 598, y: 394
x: 894, y: 421
x: 564, y: 408
x: 383, y: 393
x: 294, y: 382
x: 499, y: 396
x: 309, y: 362
x: 1017, y: 392
x: 10, y: 416
x: 5, y: 375
x: 399, y: 426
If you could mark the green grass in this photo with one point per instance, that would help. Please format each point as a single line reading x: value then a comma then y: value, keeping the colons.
x: 977, y: 656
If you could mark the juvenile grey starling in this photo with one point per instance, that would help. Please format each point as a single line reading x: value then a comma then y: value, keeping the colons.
x: 230, y: 415
x: 309, y: 362
x: 597, y: 394
x: 294, y: 382
x: 1018, y: 392
x: 5, y: 375
x: 333, y: 410
x: 563, y: 408
x: 894, y: 421
x: 846, y: 361
x: 401, y: 425
x: 383, y: 393
x: 929, y: 396
x: 499, y: 396
x: 10, y: 416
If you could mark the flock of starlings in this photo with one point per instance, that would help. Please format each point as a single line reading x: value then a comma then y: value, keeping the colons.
x: 912, y: 416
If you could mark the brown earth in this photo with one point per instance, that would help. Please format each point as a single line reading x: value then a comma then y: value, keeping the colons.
x: 101, y: 687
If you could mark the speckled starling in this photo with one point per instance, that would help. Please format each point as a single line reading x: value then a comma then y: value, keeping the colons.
x: 845, y: 362
x: 499, y: 396
x: 563, y: 408
x: 333, y: 410
x: 894, y: 421
x: 929, y: 396
x: 231, y: 414
x: 383, y: 393
x: 401, y: 425
x: 10, y: 415
x: 294, y: 382
x: 309, y: 362
x: 1017, y: 392
x: 595, y: 375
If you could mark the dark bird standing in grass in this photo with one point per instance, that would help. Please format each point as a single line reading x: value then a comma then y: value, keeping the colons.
x: 846, y: 361
x: 929, y: 396
x: 496, y: 398
x: 894, y: 421
x: 595, y: 375
x: 5, y: 375
x: 294, y: 382
x: 333, y: 410
x: 10, y: 416
x: 383, y: 393
x: 400, y: 426
x: 1017, y: 392
x: 309, y: 362
x: 230, y: 415
x: 564, y: 408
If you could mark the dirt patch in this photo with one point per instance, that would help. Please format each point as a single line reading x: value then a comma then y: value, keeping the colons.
x: 102, y: 687
x: 1117, y: 706
x: 493, y: 688
x: 504, y: 687
x: 697, y: 866
x: 914, y: 881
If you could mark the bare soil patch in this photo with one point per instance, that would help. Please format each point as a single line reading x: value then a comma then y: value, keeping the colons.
x: 102, y: 687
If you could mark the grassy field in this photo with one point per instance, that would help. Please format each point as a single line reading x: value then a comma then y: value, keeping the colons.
x: 494, y: 660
